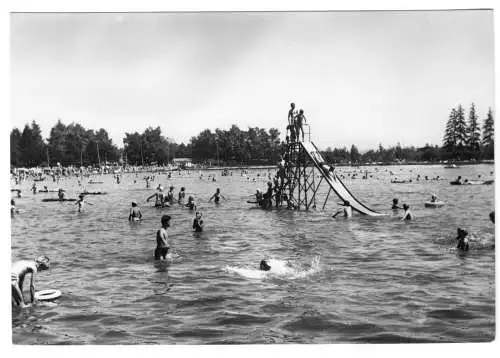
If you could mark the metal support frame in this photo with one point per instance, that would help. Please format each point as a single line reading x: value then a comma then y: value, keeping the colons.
x: 300, y: 185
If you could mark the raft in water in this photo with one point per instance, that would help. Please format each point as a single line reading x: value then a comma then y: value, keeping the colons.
x: 56, y: 199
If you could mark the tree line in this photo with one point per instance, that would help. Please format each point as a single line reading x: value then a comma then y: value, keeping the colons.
x: 73, y: 144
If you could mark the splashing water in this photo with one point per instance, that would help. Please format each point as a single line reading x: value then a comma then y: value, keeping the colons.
x: 279, y: 269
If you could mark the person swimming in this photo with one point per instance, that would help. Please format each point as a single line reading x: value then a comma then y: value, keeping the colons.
x: 433, y: 198
x: 216, y: 197
x: 346, y: 210
x: 182, y: 195
x: 191, y: 204
x: 395, y: 204
x: 264, y: 266
x: 60, y: 194
x: 407, y: 214
x: 170, y: 195
x: 13, y: 209
x: 463, y: 241
x: 135, y: 213
x: 81, y: 201
x: 198, y: 222
x: 159, y: 197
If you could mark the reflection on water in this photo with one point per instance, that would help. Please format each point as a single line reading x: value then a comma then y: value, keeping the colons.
x: 362, y: 279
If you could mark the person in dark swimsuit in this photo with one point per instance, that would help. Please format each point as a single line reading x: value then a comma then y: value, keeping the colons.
x: 463, y: 242
x: 191, y: 203
x: 198, y: 222
x: 216, y: 197
x: 162, y: 246
x: 299, y: 124
x: 182, y: 195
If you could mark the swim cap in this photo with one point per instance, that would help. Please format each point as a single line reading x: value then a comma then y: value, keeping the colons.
x: 134, y: 203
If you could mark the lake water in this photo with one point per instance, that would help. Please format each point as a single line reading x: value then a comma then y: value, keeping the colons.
x: 362, y: 279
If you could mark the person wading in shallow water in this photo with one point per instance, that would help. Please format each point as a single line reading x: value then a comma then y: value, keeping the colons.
x: 19, y: 270
x: 162, y: 246
x: 198, y: 222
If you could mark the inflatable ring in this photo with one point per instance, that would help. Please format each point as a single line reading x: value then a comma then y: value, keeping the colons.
x: 47, y: 295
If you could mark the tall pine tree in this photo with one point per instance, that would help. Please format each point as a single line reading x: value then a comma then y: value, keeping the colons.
x: 450, y: 137
x: 488, y: 136
x: 473, y: 133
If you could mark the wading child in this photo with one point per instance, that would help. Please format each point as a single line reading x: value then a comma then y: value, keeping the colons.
x: 162, y: 247
x: 198, y: 222
x: 18, y: 273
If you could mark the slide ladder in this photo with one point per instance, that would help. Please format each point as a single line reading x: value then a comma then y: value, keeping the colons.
x: 334, y: 181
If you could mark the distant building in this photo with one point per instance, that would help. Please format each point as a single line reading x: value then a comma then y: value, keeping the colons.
x: 183, y: 162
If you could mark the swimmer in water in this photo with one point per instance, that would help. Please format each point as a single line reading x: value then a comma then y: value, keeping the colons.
x: 162, y: 246
x: 346, y: 210
x: 216, y: 197
x: 18, y: 272
x: 182, y: 195
x: 407, y: 214
x: 13, y: 209
x: 264, y: 266
x: 60, y: 194
x: 170, y: 195
x: 492, y: 217
x: 81, y: 201
x: 463, y: 241
x: 198, y: 222
x: 191, y: 204
x: 19, y: 195
x: 135, y: 213
x: 433, y: 198
x: 159, y: 197
x: 34, y: 188
x: 395, y: 204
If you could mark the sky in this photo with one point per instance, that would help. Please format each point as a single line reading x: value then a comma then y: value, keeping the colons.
x: 362, y: 78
